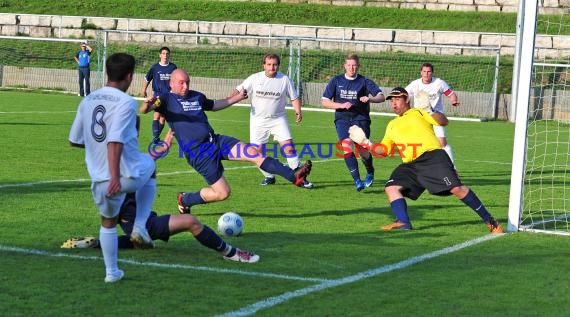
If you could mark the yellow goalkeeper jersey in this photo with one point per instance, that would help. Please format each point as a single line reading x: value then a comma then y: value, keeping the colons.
x: 411, y: 134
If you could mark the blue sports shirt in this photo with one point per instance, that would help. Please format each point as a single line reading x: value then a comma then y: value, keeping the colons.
x: 160, y: 77
x: 340, y: 89
x: 186, y: 117
x: 83, y: 57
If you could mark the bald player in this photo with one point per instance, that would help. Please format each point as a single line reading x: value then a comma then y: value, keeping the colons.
x: 204, y: 150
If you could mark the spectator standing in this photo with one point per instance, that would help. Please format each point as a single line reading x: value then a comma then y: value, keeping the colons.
x: 83, y: 59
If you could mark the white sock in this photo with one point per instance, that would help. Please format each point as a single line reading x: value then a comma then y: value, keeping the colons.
x: 110, y: 249
x: 447, y: 149
x: 145, y: 199
x: 293, y: 162
x: 265, y: 174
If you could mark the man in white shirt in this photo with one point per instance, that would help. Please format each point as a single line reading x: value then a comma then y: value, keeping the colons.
x: 105, y: 125
x: 435, y: 88
x: 269, y: 91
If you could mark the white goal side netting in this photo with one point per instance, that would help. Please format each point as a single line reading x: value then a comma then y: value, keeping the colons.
x: 540, y: 189
x: 546, y: 194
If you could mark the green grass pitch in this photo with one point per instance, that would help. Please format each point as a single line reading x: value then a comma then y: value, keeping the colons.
x: 322, y: 253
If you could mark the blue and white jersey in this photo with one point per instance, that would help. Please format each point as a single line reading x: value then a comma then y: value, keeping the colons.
x: 341, y: 89
x: 160, y: 77
x: 186, y: 117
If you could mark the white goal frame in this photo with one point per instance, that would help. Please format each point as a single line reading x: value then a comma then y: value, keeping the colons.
x: 521, y: 88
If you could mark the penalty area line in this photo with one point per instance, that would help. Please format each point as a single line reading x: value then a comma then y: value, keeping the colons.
x: 275, y: 300
x: 163, y: 265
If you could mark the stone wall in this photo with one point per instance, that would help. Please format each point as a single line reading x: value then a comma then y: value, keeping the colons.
x: 545, y: 6
x: 58, y: 26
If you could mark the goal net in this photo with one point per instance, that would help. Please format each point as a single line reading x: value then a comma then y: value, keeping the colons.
x: 217, y: 63
x: 543, y: 154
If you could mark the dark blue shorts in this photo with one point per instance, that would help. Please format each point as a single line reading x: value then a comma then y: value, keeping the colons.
x: 207, y: 159
x: 157, y: 226
x: 342, y: 127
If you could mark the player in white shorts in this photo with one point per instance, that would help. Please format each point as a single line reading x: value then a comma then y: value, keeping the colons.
x: 105, y: 125
x: 269, y: 91
x: 435, y: 88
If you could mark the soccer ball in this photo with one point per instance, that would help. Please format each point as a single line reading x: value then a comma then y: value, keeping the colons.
x: 230, y: 224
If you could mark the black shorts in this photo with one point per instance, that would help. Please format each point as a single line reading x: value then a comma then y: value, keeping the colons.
x: 432, y: 170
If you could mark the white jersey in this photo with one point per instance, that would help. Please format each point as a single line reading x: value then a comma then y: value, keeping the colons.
x: 269, y: 95
x: 108, y: 115
x: 435, y: 90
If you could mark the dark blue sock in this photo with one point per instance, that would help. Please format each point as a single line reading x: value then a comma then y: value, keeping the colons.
x: 156, y: 128
x: 191, y: 199
x: 400, y: 209
x: 125, y: 242
x: 160, y: 127
x: 474, y: 203
x: 366, y: 158
x: 208, y: 238
x: 273, y: 166
x: 352, y: 165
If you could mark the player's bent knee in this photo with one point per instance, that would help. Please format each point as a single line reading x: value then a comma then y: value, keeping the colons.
x: 223, y: 194
x: 460, y: 191
x: 195, y: 227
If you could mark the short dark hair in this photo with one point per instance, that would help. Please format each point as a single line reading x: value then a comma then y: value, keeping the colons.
x: 164, y: 48
x: 427, y: 65
x: 271, y: 56
x: 119, y: 65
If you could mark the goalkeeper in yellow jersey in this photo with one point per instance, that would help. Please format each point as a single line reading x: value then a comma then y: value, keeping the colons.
x: 425, y: 164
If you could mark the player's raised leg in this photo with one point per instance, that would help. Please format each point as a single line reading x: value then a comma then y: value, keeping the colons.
x: 288, y: 148
x: 250, y: 153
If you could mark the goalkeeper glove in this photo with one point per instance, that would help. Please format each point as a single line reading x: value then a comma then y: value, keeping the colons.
x: 357, y: 135
x: 155, y: 104
x: 421, y: 101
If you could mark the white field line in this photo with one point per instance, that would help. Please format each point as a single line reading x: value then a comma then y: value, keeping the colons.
x: 372, y: 113
x: 276, y: 300
x: 37, y: 112
x: 188, y: 171
x: 163, y: 265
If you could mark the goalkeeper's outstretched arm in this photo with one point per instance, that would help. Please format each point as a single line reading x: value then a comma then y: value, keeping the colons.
x: 358, y: 136
x: 440, y: 118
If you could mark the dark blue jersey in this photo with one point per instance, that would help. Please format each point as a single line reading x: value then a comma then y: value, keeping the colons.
x: 340, y: 89
x: 160, y: 77
x: 186, y: 117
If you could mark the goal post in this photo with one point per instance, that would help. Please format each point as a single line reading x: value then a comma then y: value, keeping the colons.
x: 540, y: 177
x: 524, y: 56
